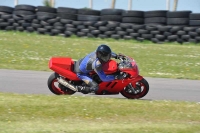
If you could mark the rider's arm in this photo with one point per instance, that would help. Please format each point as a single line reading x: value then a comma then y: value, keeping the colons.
x: 99, y: 70
x: 113, y: 55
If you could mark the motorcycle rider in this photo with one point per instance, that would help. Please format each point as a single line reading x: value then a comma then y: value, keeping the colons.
x: 93, y: 62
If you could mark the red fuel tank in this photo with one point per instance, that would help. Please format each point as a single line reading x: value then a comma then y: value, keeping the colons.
x: 110, y: 67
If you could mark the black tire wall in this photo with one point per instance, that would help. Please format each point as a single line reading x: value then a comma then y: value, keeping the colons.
x: 157, y: 26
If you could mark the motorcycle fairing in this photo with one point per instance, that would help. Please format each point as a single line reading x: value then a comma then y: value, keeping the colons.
x: 130, y: 67
x: 63, y: 66
x: 110, y: 67
x: 115, y: 86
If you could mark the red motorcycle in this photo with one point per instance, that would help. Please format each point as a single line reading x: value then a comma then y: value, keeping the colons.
x: 133, y: 86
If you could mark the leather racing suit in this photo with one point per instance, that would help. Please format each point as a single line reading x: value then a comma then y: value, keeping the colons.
x: 88, y: 64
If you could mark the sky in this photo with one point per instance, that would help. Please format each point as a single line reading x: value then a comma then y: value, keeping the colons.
x: 143, y: 5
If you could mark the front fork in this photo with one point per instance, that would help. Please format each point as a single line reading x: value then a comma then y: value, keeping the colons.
x: 131, y: 89
x: 136, y: 88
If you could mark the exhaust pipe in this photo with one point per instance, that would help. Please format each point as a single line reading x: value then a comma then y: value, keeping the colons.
x: 66, y: 84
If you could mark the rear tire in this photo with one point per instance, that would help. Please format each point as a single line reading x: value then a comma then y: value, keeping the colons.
x: 143, y: 85
x: 56, y: 89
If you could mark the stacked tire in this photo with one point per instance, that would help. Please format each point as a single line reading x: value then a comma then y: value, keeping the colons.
x: 138, y: 31
x: 110, y: 20
x: 153, y: 19
x: 149, y: 32
x: 130, y: 18
x: 158, y: 26
x: 133, y: 17
x: 6, y: 20
x: 197, y: 38
x: 195, y: 22
x: 161, y: 34
x: 46, y: 20
x: 115, y: 30
x: 126, y: 30
x: 155, y: 26
x: 194, y: 19
x: 178, y: 20
x: 87, y: 18
x: 157, y: 17
x: 111, y: 15
x: 104, y: 31
x: 23, y: 16
x: 67, y: 17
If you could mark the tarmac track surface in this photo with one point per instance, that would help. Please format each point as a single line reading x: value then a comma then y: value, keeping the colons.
x: 35, y: 82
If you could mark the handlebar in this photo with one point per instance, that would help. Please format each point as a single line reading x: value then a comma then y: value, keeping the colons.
x: 125, y: 62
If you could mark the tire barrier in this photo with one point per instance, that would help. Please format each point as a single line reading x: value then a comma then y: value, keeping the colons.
x: 157, y: 26
x: 6, y: 20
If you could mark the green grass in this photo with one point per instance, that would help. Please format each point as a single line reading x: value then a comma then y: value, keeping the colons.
x: 27, y: 51
x: 75, y: 114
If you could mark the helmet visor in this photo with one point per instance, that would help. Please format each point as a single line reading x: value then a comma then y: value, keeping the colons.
x: 105, y: 57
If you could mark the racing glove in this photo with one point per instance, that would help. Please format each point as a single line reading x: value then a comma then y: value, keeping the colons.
x: 118, y: 56
x: 120, y: 76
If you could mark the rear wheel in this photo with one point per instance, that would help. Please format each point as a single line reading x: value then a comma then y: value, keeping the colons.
x: 142, y: 88
x: 57, y: 88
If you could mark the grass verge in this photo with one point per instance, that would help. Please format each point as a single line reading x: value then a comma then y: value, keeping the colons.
x: 75, y: 114
x: 25, y: 51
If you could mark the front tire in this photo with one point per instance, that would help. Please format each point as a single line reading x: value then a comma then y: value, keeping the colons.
x: 142, y: 86
x: 57, y: 88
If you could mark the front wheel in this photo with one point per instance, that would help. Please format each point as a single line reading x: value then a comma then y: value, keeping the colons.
x: 142, y: 88
x: 57, y: 88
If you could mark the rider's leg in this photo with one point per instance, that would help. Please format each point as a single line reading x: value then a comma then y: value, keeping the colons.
x: 92, y: 86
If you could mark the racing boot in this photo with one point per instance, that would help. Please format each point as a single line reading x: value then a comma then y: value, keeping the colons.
x: 83, y: 89
x: 93, y: 87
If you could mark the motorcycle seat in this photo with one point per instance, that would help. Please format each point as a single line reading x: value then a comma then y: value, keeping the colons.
x: 76, y: 66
